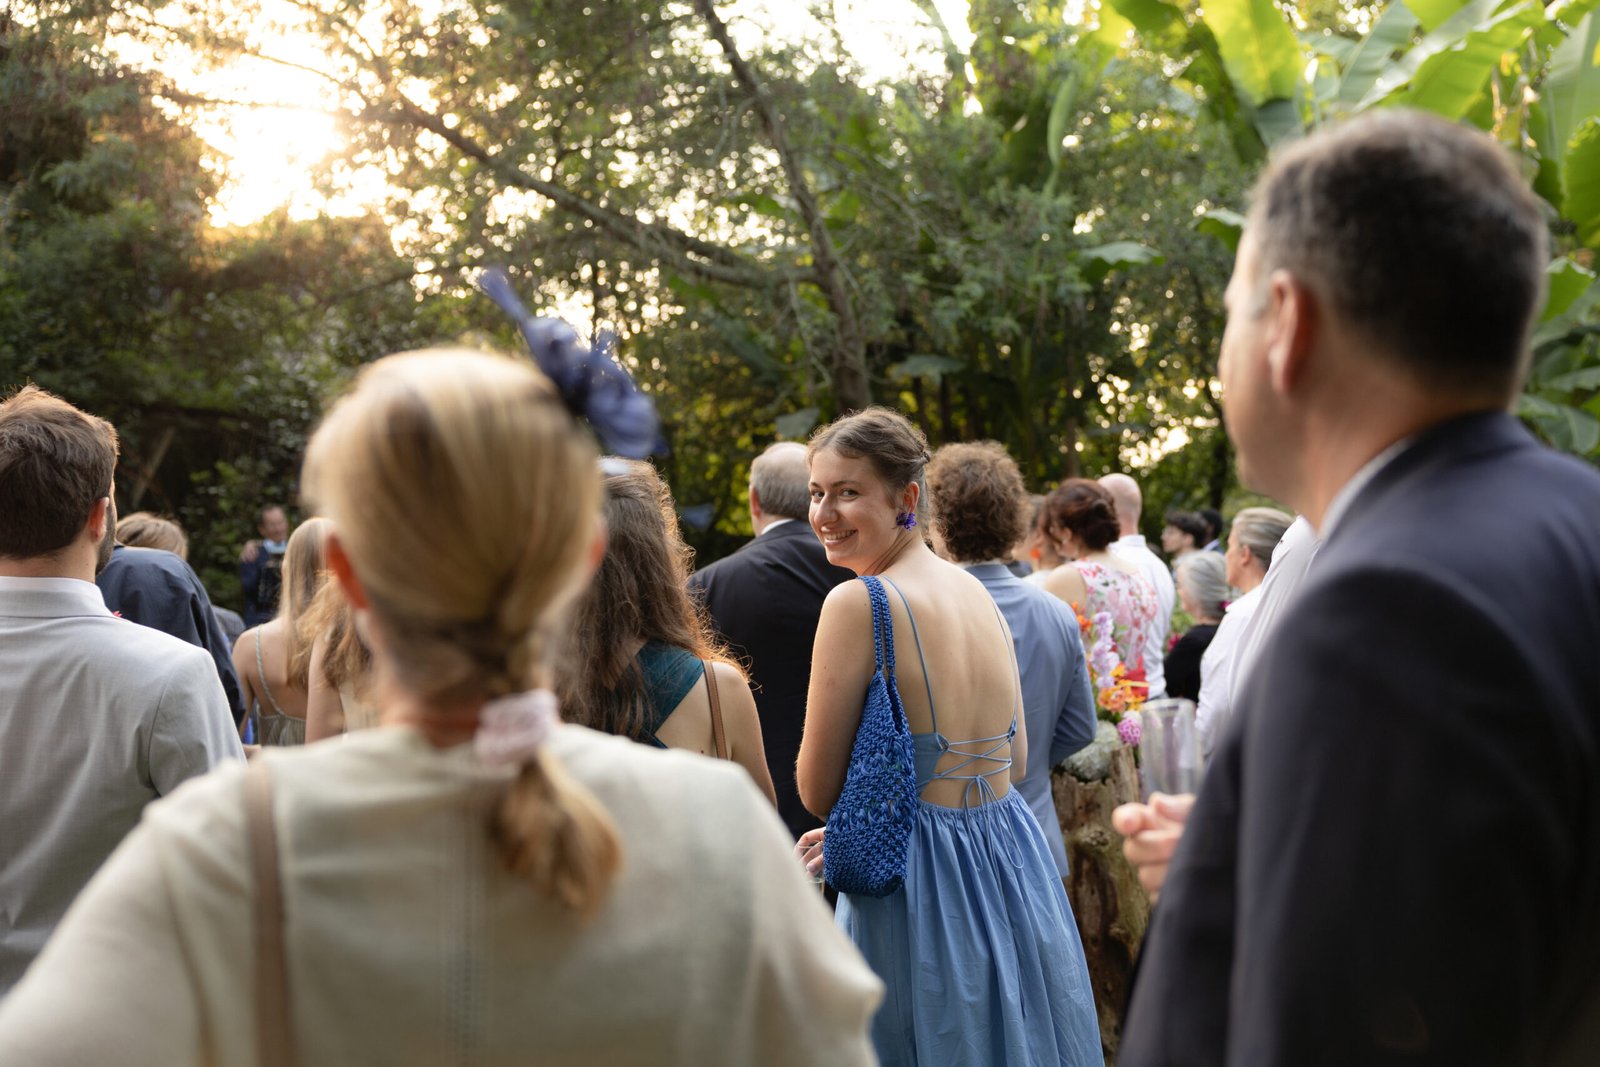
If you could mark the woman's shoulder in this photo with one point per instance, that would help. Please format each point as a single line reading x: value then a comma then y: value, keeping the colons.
x: 200, y: 826
x: 850, y: 600
x: 615, y: 766
x: 659, y: 796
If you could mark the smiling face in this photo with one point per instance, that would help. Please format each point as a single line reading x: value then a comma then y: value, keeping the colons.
x: 852, y: 511
x: 274, y: 525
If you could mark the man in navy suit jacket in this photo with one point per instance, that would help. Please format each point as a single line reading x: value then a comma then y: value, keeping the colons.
x: 1393, y: 858
x: 765, y: 600
x: 160, y: 590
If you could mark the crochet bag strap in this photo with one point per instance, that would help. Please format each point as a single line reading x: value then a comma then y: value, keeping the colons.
x: 882, y: 626
x: 719, y: 739
x: 274, y: 1030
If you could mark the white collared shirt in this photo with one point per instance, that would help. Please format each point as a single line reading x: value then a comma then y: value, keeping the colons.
x: 1290, y: 562
x: 1216, y: 695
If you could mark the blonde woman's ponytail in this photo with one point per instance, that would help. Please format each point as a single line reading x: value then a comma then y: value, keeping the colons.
x: 469, y: 569
x: 554, y: 833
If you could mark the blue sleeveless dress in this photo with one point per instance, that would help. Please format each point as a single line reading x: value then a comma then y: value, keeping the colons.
x: 978, y: 951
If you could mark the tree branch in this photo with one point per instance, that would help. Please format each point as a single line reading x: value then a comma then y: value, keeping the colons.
x: 851, y: 388
x: 683, y: 251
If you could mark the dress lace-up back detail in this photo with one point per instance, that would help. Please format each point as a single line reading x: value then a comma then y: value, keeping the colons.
x: 931, y: 748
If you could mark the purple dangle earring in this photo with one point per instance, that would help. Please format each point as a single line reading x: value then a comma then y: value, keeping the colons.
x: 906, y: 520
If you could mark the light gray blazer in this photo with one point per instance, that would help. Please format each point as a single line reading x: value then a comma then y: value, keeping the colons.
x: 98, y: 717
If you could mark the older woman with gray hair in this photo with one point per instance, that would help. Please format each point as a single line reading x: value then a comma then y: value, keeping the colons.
x: 1255, y: 533
x: 1203, y: 592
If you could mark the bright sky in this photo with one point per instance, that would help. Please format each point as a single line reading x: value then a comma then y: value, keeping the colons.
x: 270, y: 151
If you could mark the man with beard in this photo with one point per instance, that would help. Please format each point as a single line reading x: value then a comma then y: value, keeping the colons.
x: 98, y: 716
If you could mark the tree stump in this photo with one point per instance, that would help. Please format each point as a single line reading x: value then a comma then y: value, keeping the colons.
x: 1107, y: 900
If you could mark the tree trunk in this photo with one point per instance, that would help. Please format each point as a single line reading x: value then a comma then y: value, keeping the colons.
x: 1107, y: 900
x: 848, y: 361
x: 144, y: 476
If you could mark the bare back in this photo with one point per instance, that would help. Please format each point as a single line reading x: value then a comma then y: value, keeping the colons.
x: 261, y: 659
x: 688, y: 726
x: 955, y: 664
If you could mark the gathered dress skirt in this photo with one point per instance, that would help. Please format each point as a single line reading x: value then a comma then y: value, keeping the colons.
x: 978, y: 949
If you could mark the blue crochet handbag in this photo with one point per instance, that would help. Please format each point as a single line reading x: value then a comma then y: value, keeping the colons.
x: 869, y: 828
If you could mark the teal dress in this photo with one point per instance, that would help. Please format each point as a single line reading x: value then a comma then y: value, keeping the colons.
x: 978, y: 950
x: 669, y: 674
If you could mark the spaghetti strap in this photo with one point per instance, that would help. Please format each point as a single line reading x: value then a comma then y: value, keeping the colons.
x: 926, y: 684
x: 261, y: 675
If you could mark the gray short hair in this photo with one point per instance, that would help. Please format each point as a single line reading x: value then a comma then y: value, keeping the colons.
x: 1205, y: 575
x: 781, y: 481
x: 1260, y: 530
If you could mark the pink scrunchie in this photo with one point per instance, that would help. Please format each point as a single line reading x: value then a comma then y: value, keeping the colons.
x: 512, y: 728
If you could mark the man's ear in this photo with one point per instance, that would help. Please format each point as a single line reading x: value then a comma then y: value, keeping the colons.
x: 1295, y: 315
x: 755, y: 502
x: 344, y: 573
x: 99, y: 516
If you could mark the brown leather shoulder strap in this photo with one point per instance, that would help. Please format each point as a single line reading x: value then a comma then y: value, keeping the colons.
x: 274, y: 1030
x: 719, y: 739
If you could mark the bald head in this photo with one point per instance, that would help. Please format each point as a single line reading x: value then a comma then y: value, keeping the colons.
x: 778, y: 483
x: 1125, y: 493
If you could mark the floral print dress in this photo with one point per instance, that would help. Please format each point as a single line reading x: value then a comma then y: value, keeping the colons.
x: 1128, y: 602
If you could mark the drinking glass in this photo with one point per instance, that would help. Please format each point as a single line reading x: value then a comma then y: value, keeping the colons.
x: 1169, y: 747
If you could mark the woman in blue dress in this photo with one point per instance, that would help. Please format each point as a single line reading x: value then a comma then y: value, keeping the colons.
x: 978, y: 949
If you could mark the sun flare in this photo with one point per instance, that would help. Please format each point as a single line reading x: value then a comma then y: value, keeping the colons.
x: 272, y: 127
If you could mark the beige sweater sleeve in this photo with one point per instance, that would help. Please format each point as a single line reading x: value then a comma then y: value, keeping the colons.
x: 813, y: 996
x: 111, y: 986
x: 714, y: 949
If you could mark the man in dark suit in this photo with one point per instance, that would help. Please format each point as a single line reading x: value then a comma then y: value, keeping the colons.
x: 765, y: 600
x: 160, y: 590
x: 1393, y: 857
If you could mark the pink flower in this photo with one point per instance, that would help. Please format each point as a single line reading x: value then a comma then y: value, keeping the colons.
x: 1129, y: 730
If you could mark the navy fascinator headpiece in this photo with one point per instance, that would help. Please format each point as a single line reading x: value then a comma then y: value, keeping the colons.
x: 592, y: 383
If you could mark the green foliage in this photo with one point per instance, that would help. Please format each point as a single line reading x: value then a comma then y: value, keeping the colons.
x: 210, y: 351
x: 1035, y: 239
x: 1527, y: 74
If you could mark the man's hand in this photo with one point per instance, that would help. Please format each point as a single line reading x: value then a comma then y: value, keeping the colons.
x: 1151, y: 833
x: 250, y: 552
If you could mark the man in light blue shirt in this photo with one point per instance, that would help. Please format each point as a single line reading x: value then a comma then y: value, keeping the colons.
x: 98, y: 715
x: 979, y: 510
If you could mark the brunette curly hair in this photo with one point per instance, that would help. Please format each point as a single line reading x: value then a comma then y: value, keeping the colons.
x: 1084, y: 507
x: 978, y: 501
